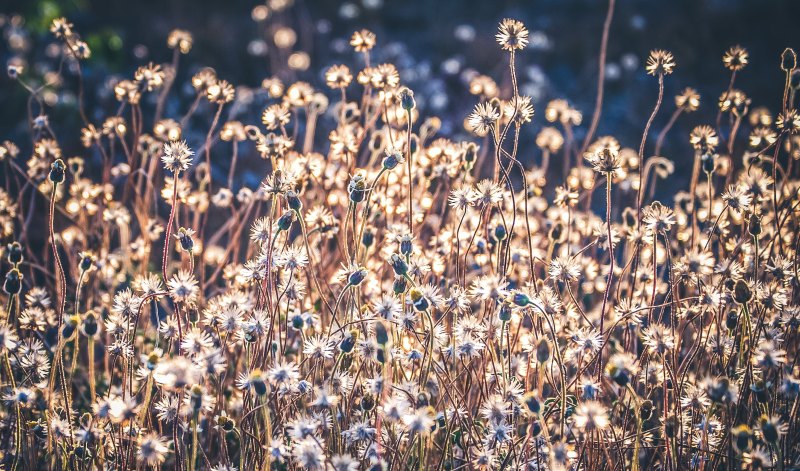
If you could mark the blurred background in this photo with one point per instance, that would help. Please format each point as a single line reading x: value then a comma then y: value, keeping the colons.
x: 437, y: 45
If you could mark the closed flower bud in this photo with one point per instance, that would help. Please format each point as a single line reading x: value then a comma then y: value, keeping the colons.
x: 671, y: 426
x: 347, y: 343
x: 89, y: 325
x: 367, y: 402
x: 14, y: 253
x: 381, y: 334
x: 760, y: 389
x: 368, y: 238
x: 399, y: 265
x: 741, y: 292
x: 196, y: 396
x: 731, y: 320
x: 406, y: 245
x: 13, y: 283
x: 542, y: 351
x: 754, y: 226
x: 556, y: 231
x: 259, y: 386
x: 419, y: 300
x: 184, y: 236
x: 535, y: 429
x: 646, y: 410
x: 742, y: 438
x: 87, y: 261
x: 500, y: 232
x: 470, y: 152
x: 406, y: 97
x: 293, y: 201
x: 225, y: 423
x: 532, y: 403
x: 399, y: 285
x: 788, y: 60
x: 57, y: 171
x: 357, y: 189
x: 422, y: 400
x: 392, y: 160
x: 357, y: 277
x: 505, y: 312
x: 520, y: 299
x: 285, y: 221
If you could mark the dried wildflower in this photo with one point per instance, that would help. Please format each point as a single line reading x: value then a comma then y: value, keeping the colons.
x: 660, y: 62
x: 688, y: 100
x: 658, y: 218
x: 150, y: 76
x: 788, y: 122
x: 550, y: 139
x: 275, y: 116
x: 152, y: 449
x: 220, y: 92
x: 183, y: 287
x: 519, y: 108
x: 735, y: 58
x: 605, y: 161
x: 704, y: 139
x: 181, y: 40
x: 512, y: 35
x: 61, y: 28
x: 487, y: 192
x: 177, y: 156
x: 338, y: 76
x: 591, y: 416
x: 363, y: 40
x: 483, y: 118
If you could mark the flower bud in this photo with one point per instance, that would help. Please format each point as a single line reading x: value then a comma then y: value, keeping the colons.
x: 419, y: 300
x: 788, y: 60
x: 357, y: 189
x: 399, y: 265
x: 87, y: 261
x: 368, y: 238
x: 392, y: 159
x: 57, y: 171
x: 89, y: 325
x: 13, y: 283
x: 381, y: 334
x: 741, y: 292
x: 520, y: 299
x: 542, y: 351
x: 754, y: 226
x: 406, y: 97
x: 500, y: 232
x: 406, y: 245
x: 357, y: 277
x: 294, y: 201
x: 399, y: 285
x: 347, y: 343
x: 14, y: 253
x: 285, y: 221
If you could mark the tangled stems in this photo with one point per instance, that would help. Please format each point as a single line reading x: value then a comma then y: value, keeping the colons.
x: 18, y: 432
